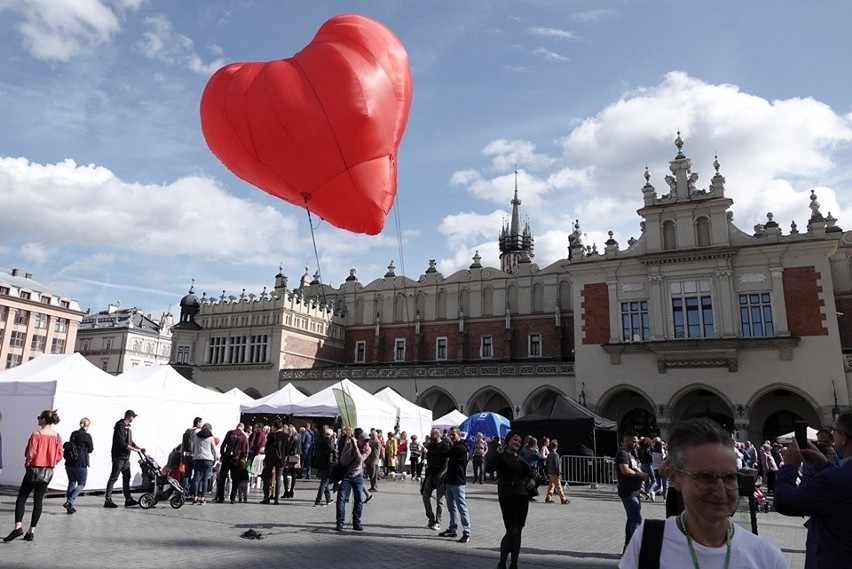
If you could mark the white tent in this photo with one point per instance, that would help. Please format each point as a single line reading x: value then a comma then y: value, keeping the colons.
x: 74, y: 387
x: 452, y: 419
x: 788, y: 438
x: 411, y: 418
x: 241, y: 396
x: 181, y: 401
x: 280, y: 402
x: 371, y: 412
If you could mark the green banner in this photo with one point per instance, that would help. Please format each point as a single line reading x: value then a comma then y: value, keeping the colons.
x: 346, y: 408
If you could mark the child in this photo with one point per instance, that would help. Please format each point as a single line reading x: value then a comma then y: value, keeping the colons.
x: 241, y: 479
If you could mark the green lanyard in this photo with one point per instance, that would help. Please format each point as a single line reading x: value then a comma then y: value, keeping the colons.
x: 695, y: 563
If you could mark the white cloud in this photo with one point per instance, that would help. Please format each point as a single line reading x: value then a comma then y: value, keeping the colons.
x: 509, y: 154
x: 35, y: 253
x: 771, y: 153
x: 162, y: 43
x: 549, y: 55
x: 592, y: 15
x: 90, y: 206
x: 552, y: 33
x: 461, y: 229
x: 57, y: 30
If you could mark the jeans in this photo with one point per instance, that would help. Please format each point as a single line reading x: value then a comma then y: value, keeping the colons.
x: 457, y: 506
x: 355, y: 485
x: 201, y: 471
x: 38, y: 490
x: 76, y: 481
x: 478, y: 463
x: 662, y: 481
x: 122, y: 466
x: 651, y: 483
x: 306, y: 464
x: 186, y: 477
x: 432, y: 484
x: 323, y: 491
x: 633, y: 508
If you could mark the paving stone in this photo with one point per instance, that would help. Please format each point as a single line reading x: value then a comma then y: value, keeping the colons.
x: 585, y: 534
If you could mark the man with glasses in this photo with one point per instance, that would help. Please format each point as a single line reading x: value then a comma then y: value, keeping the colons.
x: 826, y: 498
x: 702, y: 467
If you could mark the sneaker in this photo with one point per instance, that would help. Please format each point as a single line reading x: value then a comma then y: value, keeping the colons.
x: 338, y: 527
x: 68, y: 507
x: 368, y: 498
x: 357, y: 527
x: 130, y: 503
x: 464, y: 538
x: 317, y: 505
x: 434, y: 526
x: 110, y: 504
x: 448, y: 533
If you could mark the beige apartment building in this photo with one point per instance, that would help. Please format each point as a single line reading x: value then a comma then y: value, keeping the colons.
x: 118, y: 339
x: 34, y: 320
x: 696, y: 317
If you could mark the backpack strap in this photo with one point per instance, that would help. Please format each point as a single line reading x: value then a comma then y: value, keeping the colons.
x: 652, y: 544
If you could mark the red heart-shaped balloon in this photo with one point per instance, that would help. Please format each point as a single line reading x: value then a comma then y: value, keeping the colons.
x: 322, y: 129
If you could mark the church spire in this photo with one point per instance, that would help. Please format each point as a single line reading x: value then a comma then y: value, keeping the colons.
x: 515, y: 242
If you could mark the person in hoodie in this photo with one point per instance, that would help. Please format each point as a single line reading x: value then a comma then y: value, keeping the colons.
x: 122, y: 445
x: 204, y: 454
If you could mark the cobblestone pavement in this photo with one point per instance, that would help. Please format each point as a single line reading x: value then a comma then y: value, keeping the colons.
x: 585, y: 534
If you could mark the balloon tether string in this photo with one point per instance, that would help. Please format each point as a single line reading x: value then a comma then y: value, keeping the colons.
x: 314, y: 241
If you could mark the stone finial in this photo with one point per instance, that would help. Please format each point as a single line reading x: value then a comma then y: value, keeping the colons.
x: 794, y: 229
x: 678, y: 142
x: 391, y: 270
x: 815, y: 214
x: 647, y: 175
x: 476, y: 261
x: 770, y: 222
x: 432, y: 266
x: 351, y: 276
x: 716, y: 164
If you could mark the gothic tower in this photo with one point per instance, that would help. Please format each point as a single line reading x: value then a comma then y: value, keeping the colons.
x: 516, y: 245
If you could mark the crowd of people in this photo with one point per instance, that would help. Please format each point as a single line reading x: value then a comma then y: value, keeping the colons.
x: 697, y: 471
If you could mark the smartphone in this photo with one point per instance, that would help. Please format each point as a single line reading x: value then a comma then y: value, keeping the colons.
x: 802, y: 434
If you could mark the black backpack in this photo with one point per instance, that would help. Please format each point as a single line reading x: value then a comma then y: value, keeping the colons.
x: 229, y: 445
x: 70, y: 452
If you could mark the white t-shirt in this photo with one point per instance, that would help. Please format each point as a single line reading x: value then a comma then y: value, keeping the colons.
x: 748, y: 551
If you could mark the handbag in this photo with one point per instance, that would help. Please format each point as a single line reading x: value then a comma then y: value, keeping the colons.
x: 293, y: 461
x: 39, y: 474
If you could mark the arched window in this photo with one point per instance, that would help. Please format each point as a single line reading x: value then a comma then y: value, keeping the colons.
x: 420, y: 301
x: 565, y: 295
x: 441, y: 305
x: 669, y: 235
x: 702, y: 232
x: 359, y: 311
x: 464, y: 301
x: 538, y: 297
x: 488, y: 301
x: 512, y: 299
x: 399, y: 312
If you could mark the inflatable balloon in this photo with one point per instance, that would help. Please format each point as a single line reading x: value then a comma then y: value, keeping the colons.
x: 322, y: 129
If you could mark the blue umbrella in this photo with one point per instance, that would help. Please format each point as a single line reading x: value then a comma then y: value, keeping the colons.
x: 489, y: 424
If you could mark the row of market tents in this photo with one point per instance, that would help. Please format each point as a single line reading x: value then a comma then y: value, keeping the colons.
x: 165, y: 403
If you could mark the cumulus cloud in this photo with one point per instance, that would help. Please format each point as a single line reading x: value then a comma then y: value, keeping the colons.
x: 772, y: 153
x: 90, y: 206
x: 592, y: 15
x: 57, y: 30
x: 162, y: 43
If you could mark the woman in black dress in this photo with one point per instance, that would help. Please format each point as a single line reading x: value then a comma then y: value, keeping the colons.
x: 512, y: 475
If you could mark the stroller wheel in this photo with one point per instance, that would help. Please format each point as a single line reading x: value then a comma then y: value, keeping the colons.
x: 147, y: 501
x: 177, y: 501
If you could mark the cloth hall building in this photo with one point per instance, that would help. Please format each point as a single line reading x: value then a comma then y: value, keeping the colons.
x: 694, y: 318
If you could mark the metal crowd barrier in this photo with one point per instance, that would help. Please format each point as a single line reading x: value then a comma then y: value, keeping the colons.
x: 593, y: 470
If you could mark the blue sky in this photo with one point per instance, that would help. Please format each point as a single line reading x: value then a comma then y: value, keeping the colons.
x: 108, y: 191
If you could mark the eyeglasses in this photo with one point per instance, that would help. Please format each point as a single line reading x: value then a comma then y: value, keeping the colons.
x: 836, y: 430
x: 707, y: 480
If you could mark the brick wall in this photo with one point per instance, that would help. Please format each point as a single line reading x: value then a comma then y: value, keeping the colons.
x: 594, y: 308
x: 802, y: 296
x: 305, y: 352
x: 844, y: 306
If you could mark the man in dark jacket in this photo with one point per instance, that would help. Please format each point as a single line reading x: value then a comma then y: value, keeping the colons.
x: 78, y: 469
x: 325, y: 457
x: 436, y: 463
x: 233, y: 453
x: 186, y: 453
x: 826, y: 498
x: 455, y: 481
x: 122, y: 445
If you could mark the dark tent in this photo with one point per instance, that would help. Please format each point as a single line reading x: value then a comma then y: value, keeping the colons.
x: 579, y: 431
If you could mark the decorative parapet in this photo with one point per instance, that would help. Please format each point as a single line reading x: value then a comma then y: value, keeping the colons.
x: 425, y: 371
x: 709, y: 352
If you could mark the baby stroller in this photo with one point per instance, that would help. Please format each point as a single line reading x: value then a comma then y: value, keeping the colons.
x: 162, y: 487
